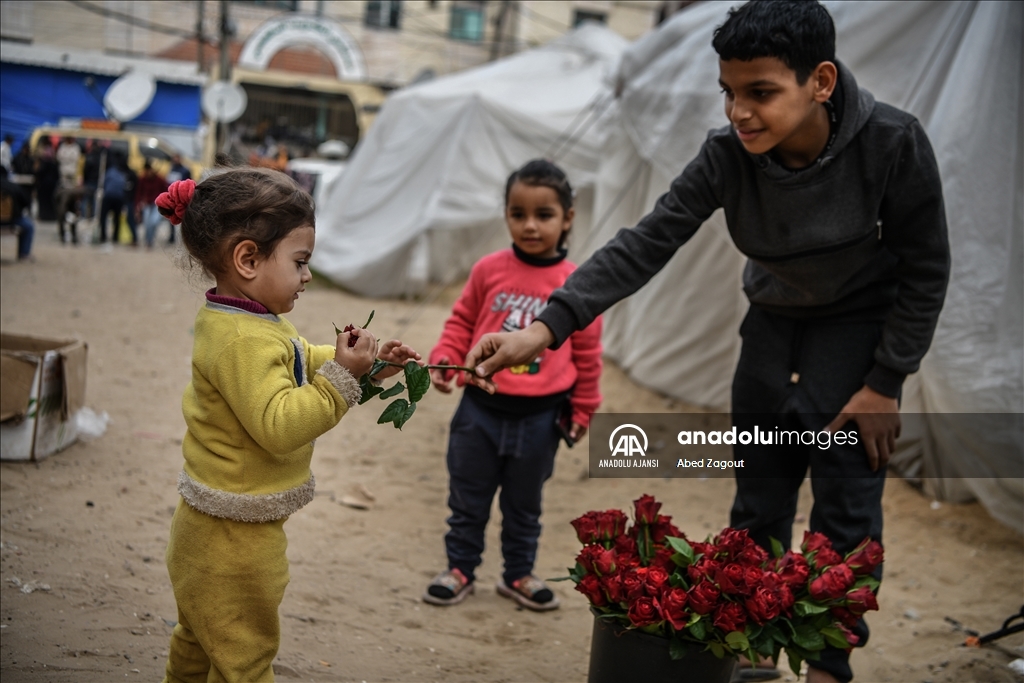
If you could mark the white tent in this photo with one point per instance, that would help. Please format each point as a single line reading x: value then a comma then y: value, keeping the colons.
x: 958, y: 67
x: 421, y: 199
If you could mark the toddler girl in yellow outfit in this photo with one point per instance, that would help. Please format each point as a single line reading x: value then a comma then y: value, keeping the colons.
x: 260, y: 395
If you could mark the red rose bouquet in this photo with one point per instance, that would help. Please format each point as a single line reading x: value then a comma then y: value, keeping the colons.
x: 727, y: 593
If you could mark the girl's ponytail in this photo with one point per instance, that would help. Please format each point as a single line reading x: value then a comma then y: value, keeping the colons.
x: 173, y: 203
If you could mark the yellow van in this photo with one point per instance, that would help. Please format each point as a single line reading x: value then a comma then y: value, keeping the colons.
x: 137, y: 147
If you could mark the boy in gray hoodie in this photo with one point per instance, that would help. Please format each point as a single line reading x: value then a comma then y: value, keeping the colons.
x: 836, y: 201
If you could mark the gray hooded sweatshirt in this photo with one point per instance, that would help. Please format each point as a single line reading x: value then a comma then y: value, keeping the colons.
x: 860, y: 234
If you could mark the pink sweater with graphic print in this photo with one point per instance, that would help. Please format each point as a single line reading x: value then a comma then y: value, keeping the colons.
x: 503, y: 294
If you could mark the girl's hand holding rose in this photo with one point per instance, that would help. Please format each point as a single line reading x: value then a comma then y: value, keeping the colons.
x: 357, y: 358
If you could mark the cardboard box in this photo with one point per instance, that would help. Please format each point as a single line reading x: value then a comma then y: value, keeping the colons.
x: 43, y: 384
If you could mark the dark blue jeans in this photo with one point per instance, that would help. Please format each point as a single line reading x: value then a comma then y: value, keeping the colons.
x: 830, y: 358
x: 25, y: 234
x: 488, y: 450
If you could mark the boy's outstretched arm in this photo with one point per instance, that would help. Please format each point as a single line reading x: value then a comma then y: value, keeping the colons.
x: 499, y: 350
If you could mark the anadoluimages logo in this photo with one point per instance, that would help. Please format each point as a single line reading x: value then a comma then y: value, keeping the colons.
x: 628, y: 443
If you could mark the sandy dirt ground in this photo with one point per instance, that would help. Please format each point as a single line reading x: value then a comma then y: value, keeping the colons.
x: 88, y: 527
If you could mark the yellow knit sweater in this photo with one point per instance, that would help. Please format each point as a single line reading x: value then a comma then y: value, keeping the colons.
x: 259, y: 396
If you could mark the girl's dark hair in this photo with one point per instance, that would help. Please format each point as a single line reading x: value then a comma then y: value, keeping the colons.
x: 258, y: 204
x: 799, y: 32
x: 542, y: 173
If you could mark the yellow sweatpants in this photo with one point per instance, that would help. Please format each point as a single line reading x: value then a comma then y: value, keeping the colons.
x: 229, y: 579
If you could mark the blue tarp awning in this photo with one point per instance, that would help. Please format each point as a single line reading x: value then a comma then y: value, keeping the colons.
x: 32, y: 96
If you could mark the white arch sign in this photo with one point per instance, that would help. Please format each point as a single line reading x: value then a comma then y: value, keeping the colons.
x: 325, y: 34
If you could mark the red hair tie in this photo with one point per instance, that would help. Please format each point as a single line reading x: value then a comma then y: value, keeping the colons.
x: 172, y: 204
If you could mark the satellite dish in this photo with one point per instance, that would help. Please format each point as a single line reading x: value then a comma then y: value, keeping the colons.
x: 333, y: 149
x: 129, y: 95
x: 224, y: 101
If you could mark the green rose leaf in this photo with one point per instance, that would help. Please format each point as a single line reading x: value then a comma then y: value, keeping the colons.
x: 806, y: 607
x: 835, y: 637
x: 809, y: 638
x: 394, y: 412
x: 795, y: 661
x: 418, y: 379
x: 367, y: 320
x: 393, y: 391
x: 682, y: 548
x: 777, y: 550
x: 369, y: 389
x: 699, y: 630
x: 716, y: 649
x: 737, y: 640
x: 409, y: 410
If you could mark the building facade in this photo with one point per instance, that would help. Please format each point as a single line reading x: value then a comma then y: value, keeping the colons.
x: 319, y: 68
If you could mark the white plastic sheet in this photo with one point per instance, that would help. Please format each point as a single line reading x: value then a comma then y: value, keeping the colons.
x: 421, y: 199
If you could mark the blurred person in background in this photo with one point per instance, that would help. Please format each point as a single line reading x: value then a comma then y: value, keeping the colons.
x: 68, y: 156
x: 24, y: 167
x: 90, y: 177
x: 47, y: 174
x: 178, y: 170
x: 15, y: 203
x: 114, y: 197
x: 150, y: 186
x: 69, y: 195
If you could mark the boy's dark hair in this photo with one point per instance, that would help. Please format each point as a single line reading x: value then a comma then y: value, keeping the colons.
x: 799, y: 32
x: 258, y: 204
x: 542, y: 173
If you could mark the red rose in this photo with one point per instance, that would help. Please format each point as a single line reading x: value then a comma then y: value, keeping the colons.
x: 763, y: 606
x: 814, y: 541
x: 845, y: 616
x: 752, y: 555
x: 586, y: 527
x: 662, y: 528
x: 633, y: 583
x: 611, y: 524
x: 732, y: 541
x: 612, y: 585
x: 673, y: 607
x: 833, y: 583
x: 730, y: 617
x: 645, y: 611
x: 706, y: 549
x: 793, y: 569
x: 625, y: 547
x: 605, y: 562
x: 655, y: 579
x: 587, y: 555
x: 704, y: 568
x: 865, y: 557
x: 703, y: 597
x: 781, y: 590
x: 861, y: 600
x: 826, y: 557
x: 663, y: 558
x: 590, y: 586
x: 646, y: 509
x: 731, y: 579
x: 752, y: 577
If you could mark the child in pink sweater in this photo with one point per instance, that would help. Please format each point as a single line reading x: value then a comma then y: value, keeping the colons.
x: 508, y: 439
